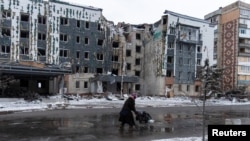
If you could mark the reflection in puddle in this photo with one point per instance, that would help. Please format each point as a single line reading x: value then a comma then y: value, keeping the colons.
x: 106, y: 126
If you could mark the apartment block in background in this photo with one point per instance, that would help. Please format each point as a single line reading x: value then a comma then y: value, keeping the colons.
x: 232, y: 42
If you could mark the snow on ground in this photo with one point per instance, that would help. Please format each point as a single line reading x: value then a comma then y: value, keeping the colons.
x: 58, y: 102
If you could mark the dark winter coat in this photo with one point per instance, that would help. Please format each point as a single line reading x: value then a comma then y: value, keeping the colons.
x: 126, y: 115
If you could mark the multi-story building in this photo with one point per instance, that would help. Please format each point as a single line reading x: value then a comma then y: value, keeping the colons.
x: 179, y: 46
x: 60, y: 46
x: 40, y: 38
x: 232, y: 43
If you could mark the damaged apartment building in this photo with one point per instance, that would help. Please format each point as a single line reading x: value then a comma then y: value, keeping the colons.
x: 178, y: 48
x: 50, y: 47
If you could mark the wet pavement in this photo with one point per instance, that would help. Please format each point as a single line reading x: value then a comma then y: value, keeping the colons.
x: 103, y: 124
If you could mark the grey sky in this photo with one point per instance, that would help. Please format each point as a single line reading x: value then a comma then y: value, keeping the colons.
x: 150, y: 11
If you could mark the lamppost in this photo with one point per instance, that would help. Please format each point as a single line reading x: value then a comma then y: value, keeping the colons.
x: 204, y: 99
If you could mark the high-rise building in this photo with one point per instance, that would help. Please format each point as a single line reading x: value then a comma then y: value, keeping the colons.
x: 178, y: 48
x: 232, y: 43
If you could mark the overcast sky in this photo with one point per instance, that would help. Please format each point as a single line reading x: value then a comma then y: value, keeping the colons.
x: 150, y: 11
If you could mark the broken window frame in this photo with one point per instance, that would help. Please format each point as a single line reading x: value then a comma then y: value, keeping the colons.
x: 24, y: 34
x: 86, y: 41
x: 77, y: 84
x: 87, y: 24
x: 78, y: 39
x: 78, y: 54
x: 100, y: 42
x: 78, y: 23
x: 64, y: 21
x: 5, y: 49
x: 6, y: 32
x: 138, y: 49
x: 24, y: 17
x: 115, y: 58
x: 85, y: 84
x: 86, y: 70
x: 41, y: 36
x: 138, y: 36
x: 137, y: 73
x: 64, y: 53
x: 42, y: 19
x: 128, y: 53
x: 99, y: 57
x: 6, y: 14
x: 24, y: 50
x: 41, y: 52
x: 63, y: 37
x: 128, y: 66
x: 137, y: 61
x: 99, y: 70
x: 137, y: 87
x: 86, y: 55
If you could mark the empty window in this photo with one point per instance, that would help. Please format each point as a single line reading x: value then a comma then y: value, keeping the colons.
x: 169, y: 73
x: 86, y: 70
x: 78, y: 23
x: 24, y: 34
x: 138, y: 49
x: 164, y: 21
x: 99, y: 70
x: 6, y: 14
x: 115, y: 44
x: 188, y: 88
x: 128, y: 53
x: 86, y: 41
x: 137, y: 73
x: 24, y: 50
x: 115, y: 58
x: 86, y: 55
x: 64, y: 21
x: 41, y: 52
x: 197, y: 88
x: 85, y: 84
x: 137, y: 87
x: 24, y: 17
x: 6, y: 32
x: 171, y: 45
x: 100, y: 42
x: 63, y: 37
x: 170, y: 59
x: 78, y: 39
x: 198, y: 49
x: 64, y: 53
x: 77, y: 84
x: 99, y: 27
x: 86, y: 24
x: 138, y: 36
x: 137, y: 61
x: 5, y: 49
x: 41, y: 36
x: 99, y: 56
x: 41, y: 19
x: 77, y: 54
x: 128, y: 66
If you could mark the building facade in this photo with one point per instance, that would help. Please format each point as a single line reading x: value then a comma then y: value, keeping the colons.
x: 59, y: 47
x: 178, y: 48
x: 232, y: 40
